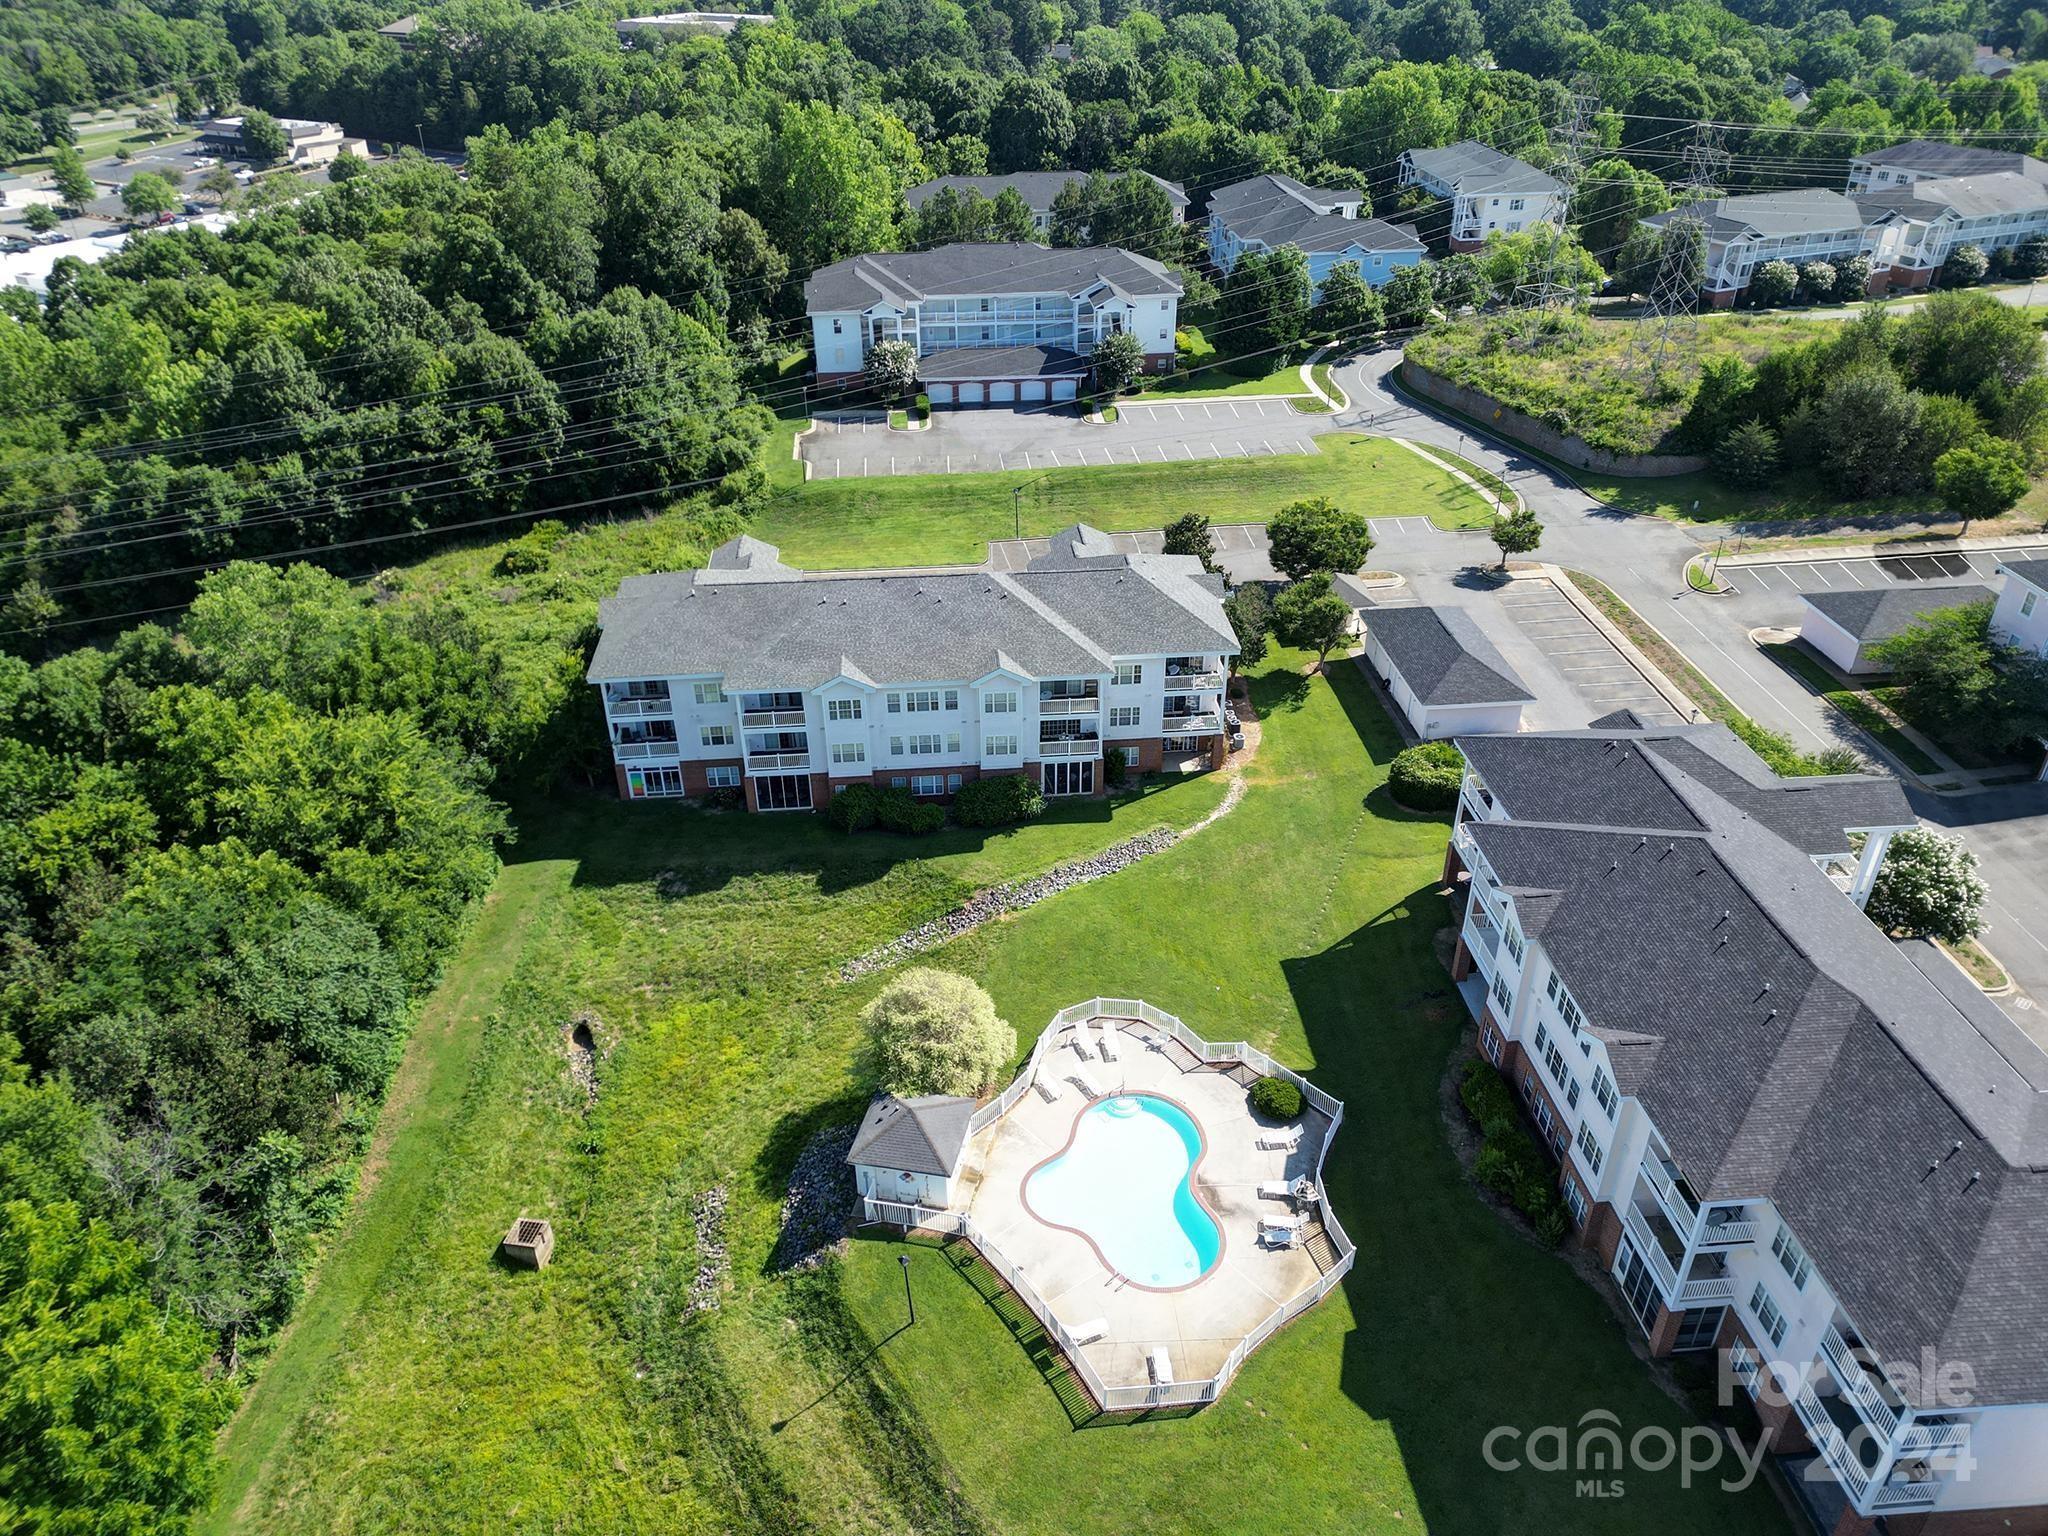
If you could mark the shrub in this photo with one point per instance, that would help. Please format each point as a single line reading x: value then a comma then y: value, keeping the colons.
x: 931, y: 1031
x: 1276, y: 1098
x: 1486, y: 1096
x: 1966, y: 264
x: 1116, y: 766
x: 1774, y: 284
x: 998, y: 802
x: 1747, y: 456
x: 852, y: 809
x: 1426, y: 777
x: 532, y: 551
x: 897, y: 810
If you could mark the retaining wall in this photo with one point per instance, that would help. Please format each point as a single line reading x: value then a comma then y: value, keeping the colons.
x: 1524, y: 428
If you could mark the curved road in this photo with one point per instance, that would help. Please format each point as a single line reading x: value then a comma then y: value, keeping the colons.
x: 1643, y: 559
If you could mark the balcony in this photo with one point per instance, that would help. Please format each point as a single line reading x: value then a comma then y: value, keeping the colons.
x: 1936, y: 1436
x: 1191, y: 682
x: 1190, y: 724
x: 1860, y: 1385
x: 1652, y: 1248
x: 1092, y: 705
x: 624, y: 709
x: 1481, y: 936
x: 627, y: 751
x: 768, y: 719
x: 1726, y: 1234
x: 1854, y: 1453
x: 1672, y: 1192
x: 776, y: 762
x: 1071, y: 746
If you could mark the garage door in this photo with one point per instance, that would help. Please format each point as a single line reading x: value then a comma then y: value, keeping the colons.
x: 970, y: 394
x: 1003, y: 392
x: 1031, y: 389
x: 941, y: 394
x: 1065, y: 389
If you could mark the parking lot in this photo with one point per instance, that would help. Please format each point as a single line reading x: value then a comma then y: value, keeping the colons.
x: 1033, y: 439
x: 1581, y: 654
x: 1824, y: 575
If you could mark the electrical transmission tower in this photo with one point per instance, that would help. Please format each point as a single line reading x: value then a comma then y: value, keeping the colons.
x: 1671, y: 319
x: 1552, y: 286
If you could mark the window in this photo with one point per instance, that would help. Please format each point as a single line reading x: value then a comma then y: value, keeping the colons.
x: 783, y: 792
x: 895, y: 704
x: 1514, y: 937
x: 710, y: 693
x: 923, y: 746
x: 1575, y: 1202
x: 899, y: 782
x: 999, y: 746
x: 654, y: 783
x: 1501, y: 995
x: 716, y: 735
x: 849, y: 752
x: 927, y: 784
x: 952, y: 698
x: 1514, y: 205
x: 1793, y: 1257
x: 1603, y: 1090
x: 722, y: 778
x: 842, y: 709
x: 1492, y: 1044
x: 895, y: 746
x: 1589, y: 1149
x: 954, y: 781
x: 1566, y: 1008
x: 1768, y: 1316
x: 1129, y: 672
x: 952, y: 743
x: 1698, y: 1329
x: 2027, y: 606
x: 923, y: 701
x: 1125, y: 714
x: 999, y: 704
x: 838, y: 327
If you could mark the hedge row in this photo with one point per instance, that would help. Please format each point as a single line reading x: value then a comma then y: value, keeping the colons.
x: 996, y: 802
x: 1510, y: 1163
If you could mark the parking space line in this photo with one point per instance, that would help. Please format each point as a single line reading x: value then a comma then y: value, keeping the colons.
x: 863, y: 469
x: 1162, y: 451
x: 1181, y: 412
x: 1848, y: 569
x: 1269, y: 446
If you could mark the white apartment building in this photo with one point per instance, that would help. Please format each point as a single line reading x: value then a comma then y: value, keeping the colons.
x: 1267, y: 212
x: 992, y: 324
x: 1039, y: 189
x: 788, y: 685
x: 1901, y: 165
x: 1791, y: 1141
x: 2020, y: 616
x: 1912, y: 229
x: 1743, y: 233
x: 1488, y: 191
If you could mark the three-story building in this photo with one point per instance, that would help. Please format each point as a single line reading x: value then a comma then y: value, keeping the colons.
x: 787, y: 685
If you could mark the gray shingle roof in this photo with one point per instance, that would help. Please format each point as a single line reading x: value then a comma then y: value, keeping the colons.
x: 1000, y: 363
x: 759, y: 624
x: 1037, y: 188
x: 1444, y: 657
x: 1786, y: 1049
x: 1968, y: 197
x: 1795, y: 211
x: 2033, y: 572
x: 1278, y: 210
x: 1474, y: 169
x: 920, y: 1135
x: 1878, y: 613
x: 1954, y: 159
x: 903, y: 277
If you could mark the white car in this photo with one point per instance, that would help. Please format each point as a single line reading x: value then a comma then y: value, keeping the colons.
x: 204, y: 162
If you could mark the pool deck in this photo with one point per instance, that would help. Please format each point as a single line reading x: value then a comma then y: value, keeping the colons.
x: 1198, y: 1324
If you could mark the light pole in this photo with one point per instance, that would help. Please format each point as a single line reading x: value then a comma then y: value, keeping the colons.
x: 909, y: 1300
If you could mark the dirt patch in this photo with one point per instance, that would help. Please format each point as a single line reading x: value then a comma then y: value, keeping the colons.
x: 580, y: 1038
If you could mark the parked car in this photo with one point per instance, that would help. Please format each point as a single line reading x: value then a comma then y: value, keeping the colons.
x: 14, y: 246
x: 205, y: 163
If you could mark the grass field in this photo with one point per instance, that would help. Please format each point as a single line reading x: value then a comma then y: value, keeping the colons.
x: 442, y: 1392
x: 1853, y: 704
x: 949, y: 519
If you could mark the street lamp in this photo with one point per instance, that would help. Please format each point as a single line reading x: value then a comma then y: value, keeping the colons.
x: 908, y: 1300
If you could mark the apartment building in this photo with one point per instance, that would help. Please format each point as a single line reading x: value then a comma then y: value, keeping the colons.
x: 1791, y: 1141
x: 1901, y: 165
x: 1267, y: 212
x: 789, y: 685
x: 2020, y: 615
x: 1038, y: 189
x: 992, y: 324
x: 1742, y: 233
x: 1910, y: 230
x: 1487, y: 191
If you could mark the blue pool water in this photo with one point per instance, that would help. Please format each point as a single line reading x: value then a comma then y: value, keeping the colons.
x: 1127, y: 1183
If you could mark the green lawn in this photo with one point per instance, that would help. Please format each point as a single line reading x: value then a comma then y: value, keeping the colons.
x: 438, y: 1391
x: 949, y: 519
x: 1239, y: 376
x: 1853, y: 704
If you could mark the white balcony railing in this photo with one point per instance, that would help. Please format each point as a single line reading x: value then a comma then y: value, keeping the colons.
x: 1190, y: 725
x: 1918, y: 1439
x: 1652, y: 1251
x: 623, y: 708
x: 1069, y: 706
x: 1071, y: 746
x: 1192, y: 682
x: 625, y: 751
x: 1481, y: 937
x: 1707, y: 1289
x: 775, y: 762
x: 764, y: 719
x: 1858, y: 1386
x: 1727, y: 1234
x: 1890, y: 1498
x: 1682, y: 1212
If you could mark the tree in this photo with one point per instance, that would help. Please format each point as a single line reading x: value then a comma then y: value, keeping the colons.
x: 1982, y: 479
x: 1516, y: 533
x: 41, y: 218
x: 1773, y: 284
x: 1856, y: 429
x: 891, y: 369
x: 1030, y: 125
x: 1852, y: 279
x: 154, y: 122
x: 1959, y: 680
x: 1265, y: 300
x: 218, y: 183
x: 1408, y: 297
x: 1310, y: 616
x: 931, y: 1031
x: 826, y: 189
x: 1316, y: 535
x: 53, y: 126
x: 148, y: 194
x: 1250, y: 612
x: 1966, y: 264
x: 264, y: 140
x: 1928, y: 887
x: 1119, y: 361
x: 1347, y: 309
x: 2030, y: 257
x: 1189, y: 534
x: 1817, y: 281
x: 1436, y: 30
x: 1613, y: 198
x: 1747, y: 456
x: 67, y: 171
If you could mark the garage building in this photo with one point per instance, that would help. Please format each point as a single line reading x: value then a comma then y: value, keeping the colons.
x: 1844, y: 625
x: 1445, y: 675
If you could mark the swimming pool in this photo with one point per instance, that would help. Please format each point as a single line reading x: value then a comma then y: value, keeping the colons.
x: 1125, y: 1181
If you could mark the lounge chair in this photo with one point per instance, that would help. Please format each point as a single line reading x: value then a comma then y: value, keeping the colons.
x: 1088, y: 1332
x: 1277, y: 1189
x: 1286, y: 1139
x: 1280, y: 1231
x: 1161, y: 1366
x: 1078, y: 1041
x: 1107, y: 1044
x: 1079, y: 1073
x: 1047, y: 1085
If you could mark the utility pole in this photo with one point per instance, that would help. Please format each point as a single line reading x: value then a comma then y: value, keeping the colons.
x: 1017, y: 511
x: 420, y: 132
x: 1672, y: 317
x: 1553, y: 287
